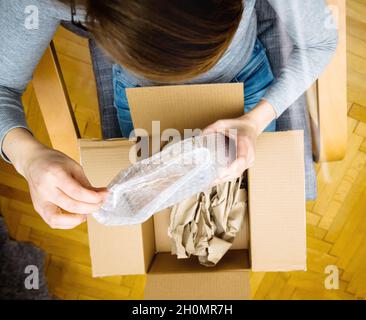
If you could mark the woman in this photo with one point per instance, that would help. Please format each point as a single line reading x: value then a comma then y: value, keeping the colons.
x: 155, y: 42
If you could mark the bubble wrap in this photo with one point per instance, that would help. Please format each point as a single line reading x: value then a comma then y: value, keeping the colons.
x: 179, y: 171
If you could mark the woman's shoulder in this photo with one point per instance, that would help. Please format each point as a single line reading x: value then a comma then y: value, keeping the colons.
x: 52, y: 8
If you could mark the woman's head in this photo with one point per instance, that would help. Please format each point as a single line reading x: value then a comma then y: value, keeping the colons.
x: 164, y: 40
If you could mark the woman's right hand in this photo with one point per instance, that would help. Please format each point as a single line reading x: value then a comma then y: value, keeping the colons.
x: 57, y: 182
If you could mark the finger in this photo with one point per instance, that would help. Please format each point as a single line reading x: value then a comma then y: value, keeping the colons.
x: 220, y: 181
x: 54, y: 217
x: 103, y: 192
x: 79, y: 174
x: 228, y: 130
x: 62, y: 200
x: 250, y: 157
x: 225, y: 179
x: 245, y: 150
x: 235, y: 170
x: 73, y: 188
x: 219, y: 125
x: 238, y: 167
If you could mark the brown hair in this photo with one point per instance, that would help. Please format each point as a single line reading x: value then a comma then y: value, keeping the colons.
x: 164, y: 40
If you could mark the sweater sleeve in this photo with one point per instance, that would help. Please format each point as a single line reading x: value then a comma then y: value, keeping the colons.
x: 26, y: 29
x: 313, y: 31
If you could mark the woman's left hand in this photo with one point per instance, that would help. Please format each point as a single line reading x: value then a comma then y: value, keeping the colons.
x: 247, y: 128
x: 246, y: 137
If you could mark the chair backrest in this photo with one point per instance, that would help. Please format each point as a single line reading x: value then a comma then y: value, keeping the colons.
x: 329, y: 124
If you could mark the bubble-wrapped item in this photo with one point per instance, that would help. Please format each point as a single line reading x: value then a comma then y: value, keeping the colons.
x: 180, y: 170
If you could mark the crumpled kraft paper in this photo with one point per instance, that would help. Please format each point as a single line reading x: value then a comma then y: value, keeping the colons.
x: 206, y: 225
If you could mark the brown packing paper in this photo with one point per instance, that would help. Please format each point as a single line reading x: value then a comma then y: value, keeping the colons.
x: 206, y: 225
x: 163, y: 242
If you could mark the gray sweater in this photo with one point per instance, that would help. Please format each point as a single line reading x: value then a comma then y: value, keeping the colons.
x: 308, y: 23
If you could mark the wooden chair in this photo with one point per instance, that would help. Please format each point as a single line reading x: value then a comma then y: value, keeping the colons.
x: 327, y: 103
x: 327, y: 100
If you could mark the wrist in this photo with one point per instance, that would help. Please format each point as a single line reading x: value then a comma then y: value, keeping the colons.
x: 261, y: 116
x: 19, y: 145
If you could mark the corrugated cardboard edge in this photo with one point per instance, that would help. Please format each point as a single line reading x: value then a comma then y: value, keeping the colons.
x: 278, y: 243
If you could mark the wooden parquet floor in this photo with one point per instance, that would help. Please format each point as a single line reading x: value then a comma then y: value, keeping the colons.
x: 336, y: 221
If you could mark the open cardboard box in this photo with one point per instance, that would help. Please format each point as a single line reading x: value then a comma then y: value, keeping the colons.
x: 272, y: 239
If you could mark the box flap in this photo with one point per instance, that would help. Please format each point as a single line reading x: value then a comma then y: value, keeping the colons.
x: 185, y: 107
x: 277, y: 203
x: 170, y: 278
x: 114, y: 250
x: 227, y: 285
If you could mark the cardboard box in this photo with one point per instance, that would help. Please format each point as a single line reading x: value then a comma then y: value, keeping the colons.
x: 276, y: 240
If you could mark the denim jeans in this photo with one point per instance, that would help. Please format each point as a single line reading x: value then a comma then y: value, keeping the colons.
x: 257, y: 76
